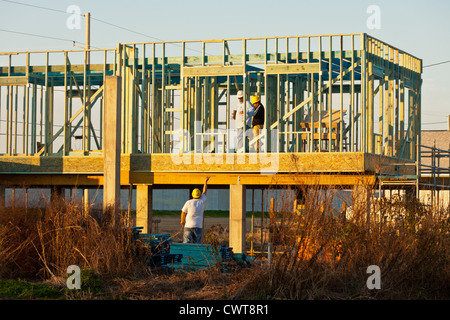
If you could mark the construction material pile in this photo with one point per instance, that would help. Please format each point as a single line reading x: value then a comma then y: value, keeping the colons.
x: 164, y: 254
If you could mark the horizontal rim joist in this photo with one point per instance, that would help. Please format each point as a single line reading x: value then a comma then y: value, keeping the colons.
x: 186, y: 179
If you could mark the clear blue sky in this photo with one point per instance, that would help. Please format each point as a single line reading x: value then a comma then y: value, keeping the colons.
x: 421, y: 28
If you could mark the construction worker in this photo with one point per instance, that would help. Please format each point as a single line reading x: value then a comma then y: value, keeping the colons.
x: 238, y: 115
x: 192, y: 215
x: 258, y: 119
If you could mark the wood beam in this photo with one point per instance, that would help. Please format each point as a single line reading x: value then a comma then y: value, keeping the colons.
x: 293, y: 68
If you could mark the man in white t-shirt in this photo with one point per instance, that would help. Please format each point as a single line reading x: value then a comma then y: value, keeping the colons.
x: 192, y: 215
x: 238, y: 115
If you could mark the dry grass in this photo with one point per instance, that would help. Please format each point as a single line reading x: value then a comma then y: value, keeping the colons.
x: 42, y: 243
x: 317, y: 255
x: 322, y: 256
x: 203, y: 284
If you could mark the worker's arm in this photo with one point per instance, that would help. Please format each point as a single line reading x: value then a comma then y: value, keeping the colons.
x: 205, y: 186
x: 183, y: 218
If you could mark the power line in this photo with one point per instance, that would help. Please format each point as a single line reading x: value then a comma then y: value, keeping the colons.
x: 99, y: 20
x: 436, y: 64
x: 130, y: 30
x: 34, y: 6
x: 40, y: 36
x: 435, y: 122
x: 434, y: 114
x: 96, y: 19
x: 126, y: 29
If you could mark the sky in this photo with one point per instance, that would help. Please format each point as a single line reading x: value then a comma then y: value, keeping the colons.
x: 421, y: 28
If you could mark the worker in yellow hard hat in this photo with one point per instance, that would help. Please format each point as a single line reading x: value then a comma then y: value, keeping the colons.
x: 192, y: 215
x: 258, y: 119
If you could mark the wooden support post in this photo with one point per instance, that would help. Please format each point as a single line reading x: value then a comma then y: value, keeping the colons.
x: 66, y: 143
x: 144, y: 207
x: 86, y: 203
x: 363, y: 106
x: 237, y: 218
x: 391, y: 104
x: 86, y: 110
x: 370, y: 105
x: 272, y: 221
x: 111, y: 143
x: 352, y: 108
x: 418, y: 116
x: 49, y: 119
x: 130, y: 121
x: 87, y: 45
x: 330, y: 94
x: 397, y: 142
x: 320, y: 102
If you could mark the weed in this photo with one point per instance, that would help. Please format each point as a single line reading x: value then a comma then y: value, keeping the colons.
x: 42, y: 243
x: 21, y: 289
x: 319, y: 255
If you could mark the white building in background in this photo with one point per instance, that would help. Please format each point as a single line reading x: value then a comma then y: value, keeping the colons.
x: 441, y: 140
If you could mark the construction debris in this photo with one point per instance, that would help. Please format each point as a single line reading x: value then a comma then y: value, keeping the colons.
x: 163, y: 254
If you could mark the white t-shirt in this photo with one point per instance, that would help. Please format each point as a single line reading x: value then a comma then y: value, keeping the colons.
x: 240, y: 117
x: 194, y: 209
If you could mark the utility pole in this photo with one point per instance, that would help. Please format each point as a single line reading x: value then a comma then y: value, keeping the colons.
x: 87, y: 45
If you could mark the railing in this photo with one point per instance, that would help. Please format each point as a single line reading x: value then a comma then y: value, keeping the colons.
x: 434, y: 173
x: 432, y: 164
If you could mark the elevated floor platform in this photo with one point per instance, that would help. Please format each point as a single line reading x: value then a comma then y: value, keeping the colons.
x: 172, y: 170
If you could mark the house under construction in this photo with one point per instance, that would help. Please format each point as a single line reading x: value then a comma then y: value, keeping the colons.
x: 340, y: 110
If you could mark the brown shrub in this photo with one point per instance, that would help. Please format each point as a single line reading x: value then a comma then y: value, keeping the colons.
x: 319, y: 255
x: 44, y: 242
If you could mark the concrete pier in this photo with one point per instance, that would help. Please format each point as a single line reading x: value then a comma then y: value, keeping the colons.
x: 111, y: 143
x: 237, y: 218
x: 144, y: 207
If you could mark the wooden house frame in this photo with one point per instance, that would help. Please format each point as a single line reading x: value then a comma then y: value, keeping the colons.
x: 176, y: 99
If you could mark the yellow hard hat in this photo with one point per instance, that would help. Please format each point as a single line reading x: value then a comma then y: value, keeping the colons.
x: 255, y: 99
x: 196, y: 193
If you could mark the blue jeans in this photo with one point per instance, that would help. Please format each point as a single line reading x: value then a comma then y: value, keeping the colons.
x: 192, y: 235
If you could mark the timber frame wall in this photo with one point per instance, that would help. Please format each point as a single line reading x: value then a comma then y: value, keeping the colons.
x: 177, y: 98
